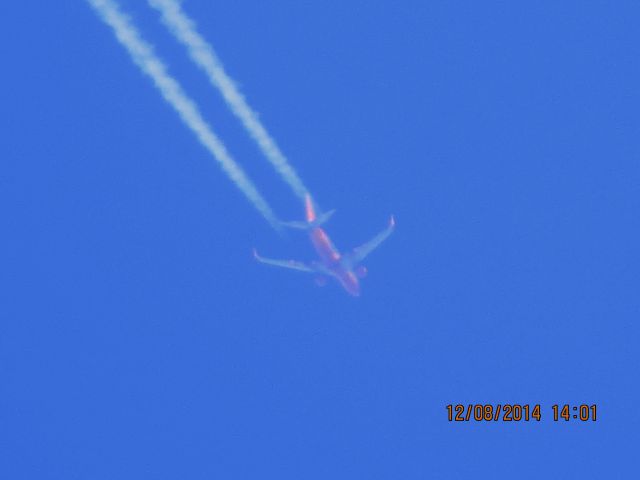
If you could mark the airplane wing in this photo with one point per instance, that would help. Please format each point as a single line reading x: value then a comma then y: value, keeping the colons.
x: 359, y: 253
x: 291, y: 264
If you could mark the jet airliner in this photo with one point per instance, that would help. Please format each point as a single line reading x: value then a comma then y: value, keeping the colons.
x: 345, y: 267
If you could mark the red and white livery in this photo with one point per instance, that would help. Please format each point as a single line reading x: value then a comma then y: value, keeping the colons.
x: 344, y: 268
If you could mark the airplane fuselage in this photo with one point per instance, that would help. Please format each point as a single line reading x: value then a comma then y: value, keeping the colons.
x: 331, y: 260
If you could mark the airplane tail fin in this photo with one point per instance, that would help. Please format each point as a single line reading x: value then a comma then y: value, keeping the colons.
x: 313, y: 220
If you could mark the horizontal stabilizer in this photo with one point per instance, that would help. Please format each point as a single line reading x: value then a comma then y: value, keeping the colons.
x: 319, y: 220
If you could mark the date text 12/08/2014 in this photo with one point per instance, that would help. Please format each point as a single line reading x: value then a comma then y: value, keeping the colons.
x: 514, y: 412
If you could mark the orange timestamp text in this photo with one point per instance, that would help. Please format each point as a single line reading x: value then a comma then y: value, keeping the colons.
x: 516, y: 412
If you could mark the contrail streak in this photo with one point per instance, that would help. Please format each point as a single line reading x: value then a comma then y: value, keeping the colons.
x: 184, y: 29
x: 144, y: 57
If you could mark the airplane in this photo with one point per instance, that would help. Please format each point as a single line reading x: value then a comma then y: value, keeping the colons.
x: 344, y: 268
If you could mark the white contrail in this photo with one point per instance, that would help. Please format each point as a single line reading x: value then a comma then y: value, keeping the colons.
x: 142, y: 54
x: 184, y: 29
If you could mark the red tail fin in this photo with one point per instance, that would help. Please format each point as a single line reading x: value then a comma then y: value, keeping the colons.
x: 311, y: 214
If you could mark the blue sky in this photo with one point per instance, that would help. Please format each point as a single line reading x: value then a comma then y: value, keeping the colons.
x: 139, y: 339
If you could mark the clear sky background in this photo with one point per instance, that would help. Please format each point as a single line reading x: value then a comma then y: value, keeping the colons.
x: 139, y: 339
